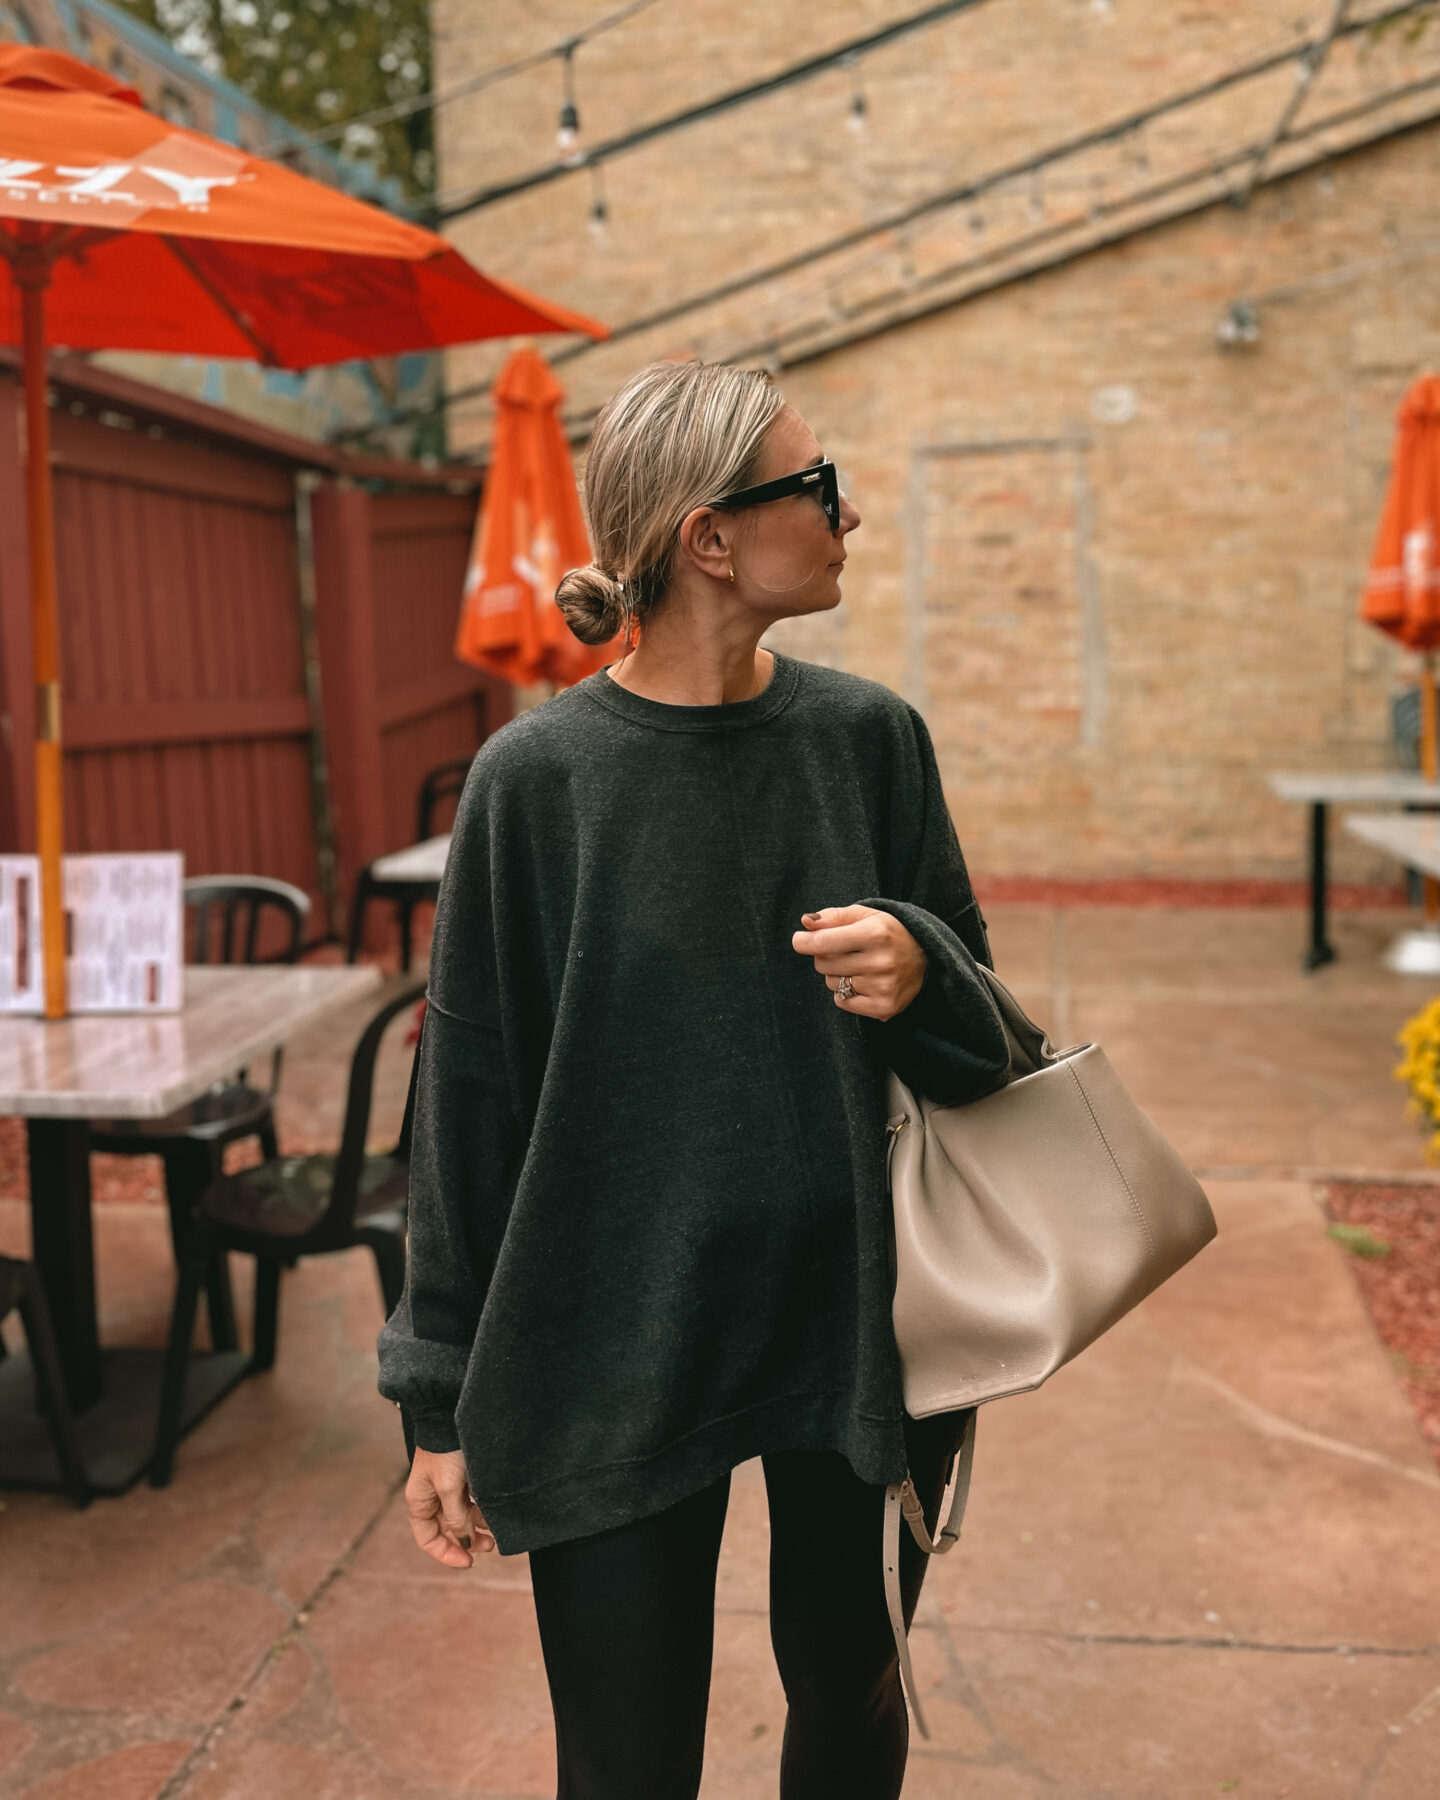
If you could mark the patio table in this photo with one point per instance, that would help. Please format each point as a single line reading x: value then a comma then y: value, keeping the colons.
x: 405, y: 876
x: 1410, y: 839
x: 59, y: 1075
x: 1320, y: 791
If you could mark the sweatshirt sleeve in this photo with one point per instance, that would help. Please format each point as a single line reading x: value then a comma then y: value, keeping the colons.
x: 949, y: 1044
x: 467, y: 1147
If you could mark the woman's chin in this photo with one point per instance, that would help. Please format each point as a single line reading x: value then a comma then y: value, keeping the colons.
x: 823, y: 597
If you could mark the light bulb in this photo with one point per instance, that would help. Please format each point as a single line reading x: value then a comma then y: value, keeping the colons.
x: 569, y: 132
x: 859, y: 119
x: 600, y: 222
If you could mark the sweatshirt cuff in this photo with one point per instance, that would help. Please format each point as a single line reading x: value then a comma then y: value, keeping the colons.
x: 949, y: 1044
x: 436, y: 1433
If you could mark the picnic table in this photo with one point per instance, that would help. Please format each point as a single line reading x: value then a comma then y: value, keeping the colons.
x: 1319, y: 791
x: 61, y: 1074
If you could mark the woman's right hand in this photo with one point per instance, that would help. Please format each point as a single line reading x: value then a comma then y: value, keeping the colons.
x: 444, y: 1519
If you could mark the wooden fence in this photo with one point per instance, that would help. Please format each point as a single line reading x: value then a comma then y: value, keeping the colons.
x: 255, y: 637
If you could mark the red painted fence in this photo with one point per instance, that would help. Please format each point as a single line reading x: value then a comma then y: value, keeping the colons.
x: 184, y: 568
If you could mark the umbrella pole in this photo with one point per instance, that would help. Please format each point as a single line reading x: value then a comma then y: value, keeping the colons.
x: 1429, y: 762
x: 32, y: 278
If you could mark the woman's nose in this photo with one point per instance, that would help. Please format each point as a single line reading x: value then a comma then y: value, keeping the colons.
x: 849, y: 515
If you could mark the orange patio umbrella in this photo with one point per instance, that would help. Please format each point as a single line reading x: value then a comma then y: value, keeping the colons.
x: 121, y: 231
x: 529, y: 532
x: 1402, y: 592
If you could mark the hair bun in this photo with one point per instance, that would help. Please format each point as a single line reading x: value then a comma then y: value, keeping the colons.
x: 593, y: 604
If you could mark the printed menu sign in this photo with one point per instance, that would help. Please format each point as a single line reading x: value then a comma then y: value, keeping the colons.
x: 124, y: 919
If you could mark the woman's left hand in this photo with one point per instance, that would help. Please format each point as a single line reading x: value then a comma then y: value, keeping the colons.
x: 884, y: 966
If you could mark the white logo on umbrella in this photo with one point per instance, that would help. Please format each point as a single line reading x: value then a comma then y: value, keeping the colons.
x: 141, y: 185
x: 1419, y: 555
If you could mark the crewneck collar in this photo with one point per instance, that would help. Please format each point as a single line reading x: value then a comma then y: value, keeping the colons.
x: 659, y: 715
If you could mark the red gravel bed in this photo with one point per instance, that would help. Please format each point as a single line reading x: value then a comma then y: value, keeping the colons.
x: 114, y: 1180
x: 122, y: 1180
x: 1401, y: 1289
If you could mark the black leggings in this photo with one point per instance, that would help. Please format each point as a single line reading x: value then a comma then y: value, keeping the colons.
x: 627, y: 1624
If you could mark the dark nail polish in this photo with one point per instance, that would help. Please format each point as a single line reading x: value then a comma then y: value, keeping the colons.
x: 465, y: 1541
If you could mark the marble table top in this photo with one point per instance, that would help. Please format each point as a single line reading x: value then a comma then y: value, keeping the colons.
x: 1365, y: 787
x: 1412, y: 838
x: 421, y: 863
x: 144, y: 1065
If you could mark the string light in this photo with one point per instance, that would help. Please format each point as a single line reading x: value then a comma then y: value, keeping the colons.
x: 599, y: 207
x: 1239, y: 329
x: 859, y: 116
x: 568, y: 136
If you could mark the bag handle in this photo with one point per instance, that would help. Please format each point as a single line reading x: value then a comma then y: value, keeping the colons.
x: 1030, y: 1046
x: 901, y: 1500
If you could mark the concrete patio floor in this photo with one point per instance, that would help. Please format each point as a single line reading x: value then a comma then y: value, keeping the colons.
x: 1204, y: 1560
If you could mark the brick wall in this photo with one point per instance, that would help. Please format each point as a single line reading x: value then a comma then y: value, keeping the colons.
x: 1116, y: 565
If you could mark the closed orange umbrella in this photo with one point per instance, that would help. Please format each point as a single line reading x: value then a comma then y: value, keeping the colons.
x: 529, y: 532
x: 1402, y: 593
x: 119, y: 230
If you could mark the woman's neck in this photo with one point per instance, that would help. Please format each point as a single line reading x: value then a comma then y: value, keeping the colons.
x: 680, y: 663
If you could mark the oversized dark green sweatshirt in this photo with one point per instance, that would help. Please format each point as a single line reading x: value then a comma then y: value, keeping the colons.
x: 647, y: 1189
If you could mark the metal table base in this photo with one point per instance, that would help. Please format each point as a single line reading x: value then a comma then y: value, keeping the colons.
x: 116, y: 1432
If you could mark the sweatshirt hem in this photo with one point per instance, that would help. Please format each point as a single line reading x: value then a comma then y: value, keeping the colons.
x: 616, y: 1494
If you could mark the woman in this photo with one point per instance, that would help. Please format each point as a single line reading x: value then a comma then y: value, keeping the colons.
x: 694, y: 907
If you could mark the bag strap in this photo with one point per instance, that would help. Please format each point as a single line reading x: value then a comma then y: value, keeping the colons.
x: 901, y: 1500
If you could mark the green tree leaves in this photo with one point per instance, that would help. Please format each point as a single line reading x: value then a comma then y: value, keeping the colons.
x: 319, y: 64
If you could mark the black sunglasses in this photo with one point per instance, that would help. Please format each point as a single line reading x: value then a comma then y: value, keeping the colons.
x: 819, y: 480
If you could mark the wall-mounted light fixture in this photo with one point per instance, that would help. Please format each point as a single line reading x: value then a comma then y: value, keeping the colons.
x: 1239, y: 329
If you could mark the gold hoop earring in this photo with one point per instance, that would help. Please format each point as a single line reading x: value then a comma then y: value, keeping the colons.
x: 732, y: 574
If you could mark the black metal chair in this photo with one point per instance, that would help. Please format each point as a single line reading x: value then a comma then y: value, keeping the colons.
x: 291, y: 1207
x: 445, y: 782
x: 229, y: 917
x: 21, y: 1291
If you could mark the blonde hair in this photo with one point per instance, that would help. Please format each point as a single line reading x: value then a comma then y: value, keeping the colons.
x: 676, y: 435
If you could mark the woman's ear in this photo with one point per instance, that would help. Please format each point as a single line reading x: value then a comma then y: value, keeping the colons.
x: 706, y: 541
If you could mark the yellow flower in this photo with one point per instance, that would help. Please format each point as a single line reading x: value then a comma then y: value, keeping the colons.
x: 1419, y: 1069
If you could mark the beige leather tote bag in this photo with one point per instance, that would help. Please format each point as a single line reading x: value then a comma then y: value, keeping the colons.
x: 1026, y: 1224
